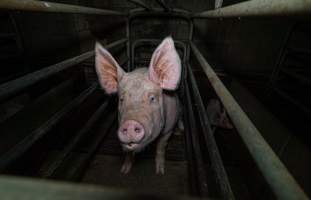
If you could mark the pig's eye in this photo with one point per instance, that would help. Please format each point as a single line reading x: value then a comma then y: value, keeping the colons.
x: 121, y: 99
x: 152, y: 99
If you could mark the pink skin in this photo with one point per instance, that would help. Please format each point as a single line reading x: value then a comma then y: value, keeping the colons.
x: 146, y: 109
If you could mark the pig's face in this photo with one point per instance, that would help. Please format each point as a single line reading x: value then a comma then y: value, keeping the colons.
x: 141, y: 107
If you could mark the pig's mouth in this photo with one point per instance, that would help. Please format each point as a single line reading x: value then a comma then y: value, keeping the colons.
x: 132, y: 146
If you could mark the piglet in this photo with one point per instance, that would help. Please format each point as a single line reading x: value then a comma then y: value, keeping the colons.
x: 217, y: 115
x: 148, y: 107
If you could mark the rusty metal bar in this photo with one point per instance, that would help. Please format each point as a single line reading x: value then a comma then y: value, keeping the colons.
x: 216, y: 161
x: 12, y: 87
x: 260, y: 8
x: 277, y: 176
x: 141, y: 4
x: 19, y: 149
x: 43, y: 6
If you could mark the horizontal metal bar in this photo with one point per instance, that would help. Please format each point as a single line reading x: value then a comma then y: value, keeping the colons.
x: 12, y: 87
x: 14, y: 188
x: 141, y: 4
x: 44, y: 6
x: 75, y: 141
x: 141, y: 42
x: 260, y: 8
x: 277, y: 176
x: 19, y: 149
x: 174, y: 13
x: 293, y: 101
x: 217, y: 164
x: 297, y: 76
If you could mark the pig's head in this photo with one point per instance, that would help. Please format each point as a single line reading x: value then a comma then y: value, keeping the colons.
x: 141, y: 114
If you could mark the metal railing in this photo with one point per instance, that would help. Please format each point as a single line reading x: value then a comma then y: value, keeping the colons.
x: 260, y: 8
x: 13, y: 87
x: 44, y: 6
x: 279, y: 179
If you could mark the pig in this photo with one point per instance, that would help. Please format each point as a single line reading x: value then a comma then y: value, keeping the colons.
x: 148, y: 106
x: 217, y: 115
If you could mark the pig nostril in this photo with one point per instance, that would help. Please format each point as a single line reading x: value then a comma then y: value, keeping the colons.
x: 137, y: 129
x: 124, y: 131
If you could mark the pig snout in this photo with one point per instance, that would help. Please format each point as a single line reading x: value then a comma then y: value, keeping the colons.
x: 131, y: 132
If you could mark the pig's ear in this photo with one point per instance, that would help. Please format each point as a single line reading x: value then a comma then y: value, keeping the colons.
x: 165, y: 65
x: 108, y: 70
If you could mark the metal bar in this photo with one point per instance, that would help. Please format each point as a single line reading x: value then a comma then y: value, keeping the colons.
x: 13, y: 188
x: 141, y: 4
x: 217, y: 164
x: 218, y: 4
x: 260, y: 8
x: 192, y: 133
x: 43, y: 6
x: 128, y: 43
x: 277, y: 176
x: 75, y: 141
x: 141, y: 42
x: 159, y: 13
x: 12, y: 87
x: 77, y: 172
x: 163, y: 5
x: 300, y: 78
x: 19, y: 149
x: 292, y: 100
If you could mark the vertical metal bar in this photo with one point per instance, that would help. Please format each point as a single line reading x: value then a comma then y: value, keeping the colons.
x: 193, y: 137
x: 43, y: 6
x: 277, y: 176
x: 217, y: 164
x: 128, y: 43
x: 218, y: 4
x: 260, y: 8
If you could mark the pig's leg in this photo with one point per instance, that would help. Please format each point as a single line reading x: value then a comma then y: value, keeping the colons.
x: 180, y: 128
x: 160, y: 154
x: 128, y: 163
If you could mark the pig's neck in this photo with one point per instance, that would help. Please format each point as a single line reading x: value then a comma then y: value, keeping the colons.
x: 170, y: 109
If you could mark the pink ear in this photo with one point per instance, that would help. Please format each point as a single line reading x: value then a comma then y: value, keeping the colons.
x: 108, y: 70
x: 165, y: 65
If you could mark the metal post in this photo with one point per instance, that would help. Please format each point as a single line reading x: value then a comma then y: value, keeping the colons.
x: 260, y: 8
x: 12, y: 87
x: 277, y: 176
x: 43, y: 6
